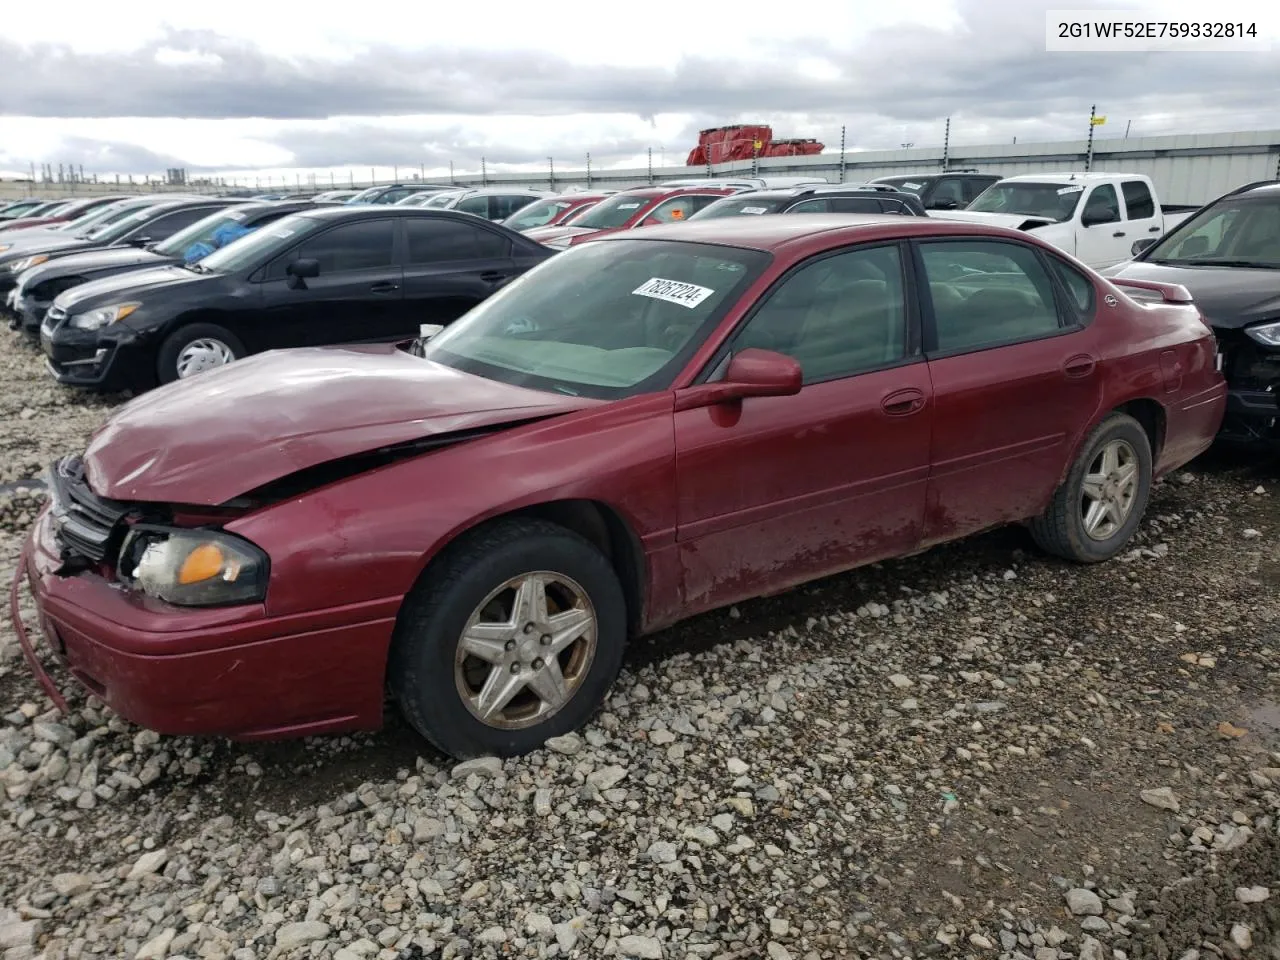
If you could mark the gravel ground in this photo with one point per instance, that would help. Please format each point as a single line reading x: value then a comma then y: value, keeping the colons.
x: 973, y: 752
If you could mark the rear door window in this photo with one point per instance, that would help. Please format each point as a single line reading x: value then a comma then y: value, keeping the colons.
x: 1138, y: 202
x: 434, y: 240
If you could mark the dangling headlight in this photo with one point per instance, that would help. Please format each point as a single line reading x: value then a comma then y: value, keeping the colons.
x: 193, y: 568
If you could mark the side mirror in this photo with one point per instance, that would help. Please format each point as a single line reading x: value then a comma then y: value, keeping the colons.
x: 1095, y: 218
x: 304, y: 269
x: 650, y: 222
x: 1143, y: 244
x: 299, y: 271
x: 751, y: 373
x: 139, y: 241
x: 944, y: 205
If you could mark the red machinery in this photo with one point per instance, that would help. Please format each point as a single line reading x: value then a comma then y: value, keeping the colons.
x: 742, y: 142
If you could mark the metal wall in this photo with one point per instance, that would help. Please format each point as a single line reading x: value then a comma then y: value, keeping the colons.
x: 1186, y: 169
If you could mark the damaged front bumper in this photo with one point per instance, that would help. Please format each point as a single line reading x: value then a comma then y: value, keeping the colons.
x: 1252, y: 372
x: 233, y: 671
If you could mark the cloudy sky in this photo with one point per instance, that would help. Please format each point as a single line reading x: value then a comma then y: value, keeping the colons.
x: 255, y: 89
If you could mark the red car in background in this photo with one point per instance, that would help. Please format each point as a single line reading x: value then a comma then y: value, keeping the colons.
x: 479, y: 524
x: 554, y: 211
x: 62, y: 212
x: 641, y: 207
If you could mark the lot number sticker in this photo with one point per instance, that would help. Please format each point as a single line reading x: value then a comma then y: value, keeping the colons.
x: 673, y: 291
x: 754, y: 210
x: 1065, y: 190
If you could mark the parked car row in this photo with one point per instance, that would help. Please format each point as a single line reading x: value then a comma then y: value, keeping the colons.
x: 480, y: 516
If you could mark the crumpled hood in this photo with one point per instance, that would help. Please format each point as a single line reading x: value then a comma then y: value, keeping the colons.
x: 1014, y: 221
x: 223, y: 433
x: 128, y: 284
x: 1229, y: 297
x: 90, y: 261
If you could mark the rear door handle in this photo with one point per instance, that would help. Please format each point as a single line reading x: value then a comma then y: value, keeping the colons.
x: 492, y: 276
x: 902, y: 403
x: 1079, y: 367
x: 384, y: 286
x: 1153, y: 230
x: 1118, y: 233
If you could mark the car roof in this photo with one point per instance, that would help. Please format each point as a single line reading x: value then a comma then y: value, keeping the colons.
x: 1075, y: 176
x: 652, y: 192
x: 507, y: 192
x: 372, y: 212
x: 1264, y: 188
x: 779, y: 233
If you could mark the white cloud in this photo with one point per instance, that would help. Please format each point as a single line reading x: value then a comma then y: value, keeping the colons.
x: 568, y: 77
x: 171, y: 57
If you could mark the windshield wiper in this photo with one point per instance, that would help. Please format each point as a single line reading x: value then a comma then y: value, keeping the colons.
x: 1208, y: 262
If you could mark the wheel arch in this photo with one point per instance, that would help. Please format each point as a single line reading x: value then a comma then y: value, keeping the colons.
x: 1151, y: 416
x: 597, y: 522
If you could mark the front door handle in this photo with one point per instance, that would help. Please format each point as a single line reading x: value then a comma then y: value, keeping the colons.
x: 1079, y: 366
x: 384, y: 286
x: 1118, y: 233
x: 1153, y: 230
x: 903, y: 403
x: 492, y: 276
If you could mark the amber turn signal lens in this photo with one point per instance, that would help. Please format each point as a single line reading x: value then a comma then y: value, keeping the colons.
x: 203, y: 563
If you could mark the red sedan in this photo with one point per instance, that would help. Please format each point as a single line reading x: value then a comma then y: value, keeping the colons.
x: 638, y: 430
x: 554, y: 211
x: 640, y: 207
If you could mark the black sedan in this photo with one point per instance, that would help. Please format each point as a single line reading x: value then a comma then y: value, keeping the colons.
x: 1228, y: 256
x: 345, y: 274
x: 38, y: 286
x: 150, y: 223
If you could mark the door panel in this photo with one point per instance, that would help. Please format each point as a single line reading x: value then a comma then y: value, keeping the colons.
x: 1007, y: 413
x: 774, y: 491
x: 357, y: 297
x: 450, y: 266
x: 1102, y: 244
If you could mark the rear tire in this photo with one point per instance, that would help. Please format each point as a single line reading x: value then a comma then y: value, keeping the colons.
x: 197, y: 347
x: 1094, y: 513
x: 515, y: 635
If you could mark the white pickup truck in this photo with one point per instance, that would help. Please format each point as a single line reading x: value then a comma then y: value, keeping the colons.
x: 1095, y: 217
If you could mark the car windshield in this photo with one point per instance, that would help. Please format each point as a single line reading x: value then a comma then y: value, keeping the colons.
x: 112, y: 214
x: 259, y: 246
x: 83, y: 221
x: 1240, y: 232
x: 112, y: 231
x: 613, y: 211
x: 537, y: 214
x: 914, y: 185
x: 745, y: 206
x: 1053, y: 201
x: 442, y: 200
x: 205, y: 236
x: 604, y: 320
x: 364, y: 195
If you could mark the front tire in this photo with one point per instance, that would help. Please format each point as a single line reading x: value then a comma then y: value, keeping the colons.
x: 514, y: 636
x: 1095, y: 512
x: 195, y: 348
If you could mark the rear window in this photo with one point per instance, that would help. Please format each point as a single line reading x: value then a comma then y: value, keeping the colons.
x: 916, y: 185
